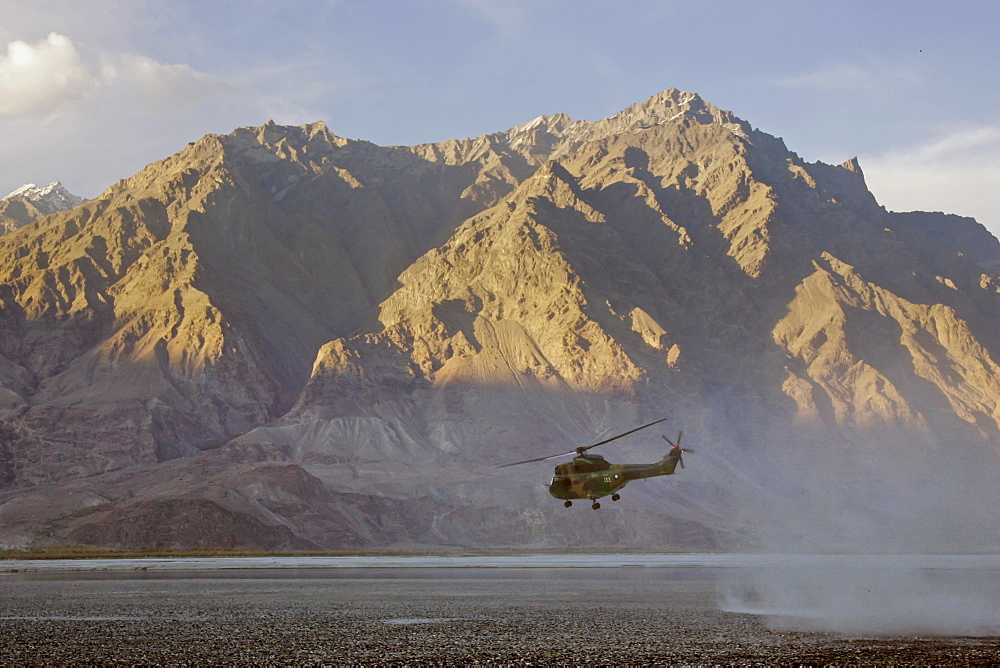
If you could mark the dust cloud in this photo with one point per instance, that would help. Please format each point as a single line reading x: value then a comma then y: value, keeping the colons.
x: 865, y: 599
x: 889, y: 537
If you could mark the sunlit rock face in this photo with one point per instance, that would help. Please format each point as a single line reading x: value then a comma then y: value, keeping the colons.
x: 365, y: 332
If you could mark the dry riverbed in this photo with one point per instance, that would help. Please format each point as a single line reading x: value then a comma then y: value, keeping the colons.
x: 449, y: 616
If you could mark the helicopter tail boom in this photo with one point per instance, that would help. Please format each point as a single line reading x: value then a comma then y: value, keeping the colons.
x: 665, y: 466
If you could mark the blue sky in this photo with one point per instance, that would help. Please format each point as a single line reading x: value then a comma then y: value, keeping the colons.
x: 92, y: 91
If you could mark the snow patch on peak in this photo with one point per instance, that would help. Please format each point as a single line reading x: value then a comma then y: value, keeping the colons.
x: 556, y: 123
x: 27, y: 190
x: 527, y: 135
x: 530, y: 125
x: 48, y: 199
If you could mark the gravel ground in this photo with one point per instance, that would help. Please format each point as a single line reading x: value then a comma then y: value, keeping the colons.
x: 486, y: 617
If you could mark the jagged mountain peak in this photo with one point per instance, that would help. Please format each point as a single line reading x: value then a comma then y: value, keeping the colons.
x: 667, y: 106
x: 271, y: 133
x: 50, y: 198
x: 852, y: 165
x: 555, y: 123
x: 31, y: 201
x: 258, y: 150
x: 671, y: 105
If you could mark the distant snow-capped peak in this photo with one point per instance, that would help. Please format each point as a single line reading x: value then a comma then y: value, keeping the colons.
x: 49, y: 199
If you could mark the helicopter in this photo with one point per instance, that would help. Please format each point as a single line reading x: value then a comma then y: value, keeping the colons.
x: 593, y: 477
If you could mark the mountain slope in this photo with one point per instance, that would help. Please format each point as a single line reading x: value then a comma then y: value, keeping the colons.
x: 385, y: 324
x: 203, y: 286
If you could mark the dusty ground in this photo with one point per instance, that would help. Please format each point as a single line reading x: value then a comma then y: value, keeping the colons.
x: 451, y: 617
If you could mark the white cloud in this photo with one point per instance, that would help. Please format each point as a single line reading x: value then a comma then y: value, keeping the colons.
x: 50, y: 77
x: 89, y: 117
x: 955, y: 171
x: 43, y: 77
x: 154, y: 82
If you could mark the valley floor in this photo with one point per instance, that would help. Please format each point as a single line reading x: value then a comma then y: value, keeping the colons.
x: 490, y: 614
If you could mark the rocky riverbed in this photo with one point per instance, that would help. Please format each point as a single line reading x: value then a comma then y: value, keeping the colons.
x: 425, y: 616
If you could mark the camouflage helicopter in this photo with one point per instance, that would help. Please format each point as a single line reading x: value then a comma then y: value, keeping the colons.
x: 592, y: 477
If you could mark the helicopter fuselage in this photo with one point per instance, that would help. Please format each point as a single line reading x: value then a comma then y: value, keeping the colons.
x: 592, y: 476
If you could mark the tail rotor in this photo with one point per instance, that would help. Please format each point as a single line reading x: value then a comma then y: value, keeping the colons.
x: 676, y: 447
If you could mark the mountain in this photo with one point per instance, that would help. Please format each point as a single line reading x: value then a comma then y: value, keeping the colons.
x: 31, y: 201
x: 287, y: 339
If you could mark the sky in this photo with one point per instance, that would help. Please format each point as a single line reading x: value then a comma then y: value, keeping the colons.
x: 90, y: 92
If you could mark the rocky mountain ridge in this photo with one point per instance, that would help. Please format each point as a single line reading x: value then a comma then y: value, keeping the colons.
x: 30, y: 202
x: 311, y: 341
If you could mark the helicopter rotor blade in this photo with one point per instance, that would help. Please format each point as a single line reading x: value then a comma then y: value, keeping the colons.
x: 583, y: 449
x: 615, y: 438
x: 598, y: 438
x: 538, y: 459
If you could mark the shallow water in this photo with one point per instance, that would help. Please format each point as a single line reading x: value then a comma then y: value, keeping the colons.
x: 983, y: 562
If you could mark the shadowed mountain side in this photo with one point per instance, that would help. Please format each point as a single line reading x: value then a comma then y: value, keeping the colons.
x: 477, y: 309
x: 473, y: 332
x: 17, y: 212
x: 188, y: 302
